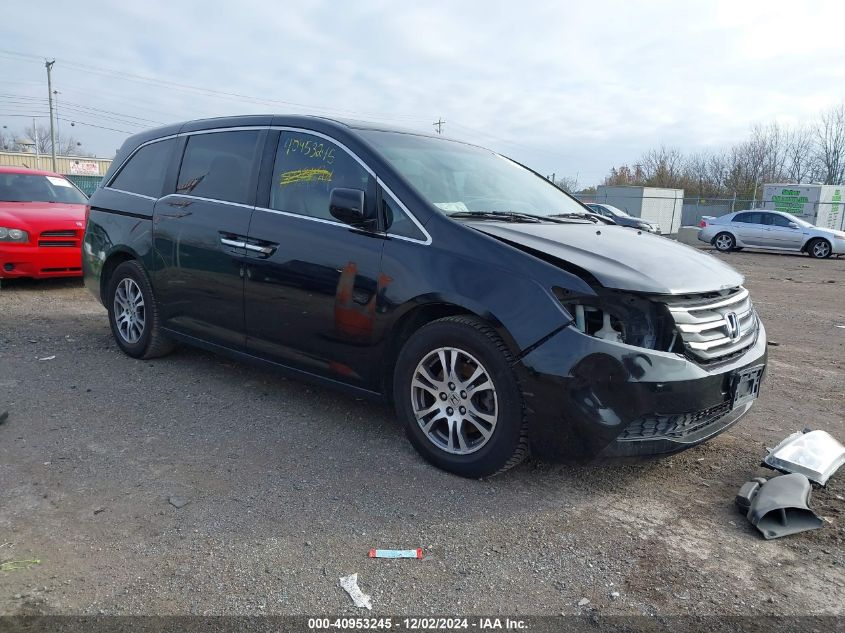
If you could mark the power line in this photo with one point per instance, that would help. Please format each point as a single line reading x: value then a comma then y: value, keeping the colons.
x: 107, y: 72
x: 11, y: 98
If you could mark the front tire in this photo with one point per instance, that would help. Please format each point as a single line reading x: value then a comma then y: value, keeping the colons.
x: 819, y: 248
x: 724, y: 242
x: 133, y: 313
x: 459, y: 398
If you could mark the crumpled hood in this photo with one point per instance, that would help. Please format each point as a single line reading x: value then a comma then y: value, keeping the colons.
x: 621, y: 258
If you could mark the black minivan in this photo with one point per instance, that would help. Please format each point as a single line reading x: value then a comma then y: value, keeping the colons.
x: 498, y: 314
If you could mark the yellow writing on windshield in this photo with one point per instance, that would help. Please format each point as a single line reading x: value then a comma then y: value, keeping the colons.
x: 305, y: 175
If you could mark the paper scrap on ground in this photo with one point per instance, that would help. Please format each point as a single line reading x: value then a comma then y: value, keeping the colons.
x: 350, y: 586
x: 47, y: 358
x: 396, y: 553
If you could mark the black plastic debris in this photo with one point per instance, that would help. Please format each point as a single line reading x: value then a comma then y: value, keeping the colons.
x: 779, y: 506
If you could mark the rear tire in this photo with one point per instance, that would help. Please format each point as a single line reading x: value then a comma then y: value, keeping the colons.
x: 459, y: 398
x: 133, y: 313
x: 724, y: 242
x: 819, y: 248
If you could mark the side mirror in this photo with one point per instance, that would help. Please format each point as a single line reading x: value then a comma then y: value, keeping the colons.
x: 347, y: 205
x: 792, y: 225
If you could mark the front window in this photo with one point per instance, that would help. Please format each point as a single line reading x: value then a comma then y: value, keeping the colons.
x: 307, y: 168
x: 460, y: 178
x: 38, y: 188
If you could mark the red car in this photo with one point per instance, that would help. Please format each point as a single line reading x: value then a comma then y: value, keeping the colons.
x: 42, y: 221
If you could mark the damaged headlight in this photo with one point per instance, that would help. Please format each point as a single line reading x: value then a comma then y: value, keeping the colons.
x: 815, y: 454
x: 620, y: 317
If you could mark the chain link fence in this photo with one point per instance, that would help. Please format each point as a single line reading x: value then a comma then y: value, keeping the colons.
x: 88, y: 184
x: 695, y: 208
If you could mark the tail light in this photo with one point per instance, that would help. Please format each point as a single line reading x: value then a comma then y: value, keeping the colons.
x: 702, y: 224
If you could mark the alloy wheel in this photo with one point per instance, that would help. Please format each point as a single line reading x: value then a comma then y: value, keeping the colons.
x: 454, y: 401
x: 129, y: 311
x: 724, y: 242
x: 821, y: 249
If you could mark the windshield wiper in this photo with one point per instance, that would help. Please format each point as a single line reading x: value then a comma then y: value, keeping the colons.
x: 508, y: 216
x: 581, y: 215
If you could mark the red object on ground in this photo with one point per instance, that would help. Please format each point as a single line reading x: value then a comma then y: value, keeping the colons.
x: 54, y: 225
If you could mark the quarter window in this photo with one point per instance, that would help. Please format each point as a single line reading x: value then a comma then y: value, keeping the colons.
x: 145, y: 171
x: 307, y: 169
x: 218, y: 165
x: 397, y: 221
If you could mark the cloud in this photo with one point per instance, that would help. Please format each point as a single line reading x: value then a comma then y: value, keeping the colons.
x: 563, y: 88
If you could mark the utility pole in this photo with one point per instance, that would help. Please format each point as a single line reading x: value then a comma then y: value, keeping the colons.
x: 37, y: 152
x: 49, y: 66
x: 439, y: 125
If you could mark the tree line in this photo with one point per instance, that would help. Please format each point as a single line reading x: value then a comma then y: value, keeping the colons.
x: 772, y: 153
x: 21, y: 141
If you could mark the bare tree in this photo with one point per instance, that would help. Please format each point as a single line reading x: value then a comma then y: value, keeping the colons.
x: 662, y: 167
x: 40, y: 134
x: 7, y: 141
x: 829, y: 135
x: 567, y: 183
x: 799, y: 152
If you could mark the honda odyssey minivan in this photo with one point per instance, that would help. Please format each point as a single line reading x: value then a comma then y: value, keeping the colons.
x: 496, y: 313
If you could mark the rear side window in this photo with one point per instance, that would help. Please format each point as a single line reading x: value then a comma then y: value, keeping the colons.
x: 307, y: 169
x: 145, y: 171
x: 218, y: 165
x: 749, y: 218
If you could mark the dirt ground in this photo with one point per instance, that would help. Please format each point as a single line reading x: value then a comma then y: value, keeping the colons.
x: 288, y: 486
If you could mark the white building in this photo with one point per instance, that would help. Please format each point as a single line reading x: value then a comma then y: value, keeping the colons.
x: 819, y: 204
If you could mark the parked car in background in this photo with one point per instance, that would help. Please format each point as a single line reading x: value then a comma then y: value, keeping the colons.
x: 759, y: 228
x: 493, y: 310
x: 622, y: 218
x: 42, y: 221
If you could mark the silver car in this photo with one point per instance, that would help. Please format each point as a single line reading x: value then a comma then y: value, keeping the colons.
x: 759, y: 228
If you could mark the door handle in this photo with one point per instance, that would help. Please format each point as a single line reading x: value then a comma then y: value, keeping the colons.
x: 266, y: 251
x: 233, y: 243
x: 182, y: 204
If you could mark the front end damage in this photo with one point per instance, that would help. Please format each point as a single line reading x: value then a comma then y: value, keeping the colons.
x: 637, y: 374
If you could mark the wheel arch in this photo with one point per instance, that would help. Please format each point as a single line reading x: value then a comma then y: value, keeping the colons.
x: 805, y: 247
x: 421, y: 313
x: 113, y: 260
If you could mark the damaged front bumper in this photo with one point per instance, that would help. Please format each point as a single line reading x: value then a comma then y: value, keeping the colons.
x: 589, y: 397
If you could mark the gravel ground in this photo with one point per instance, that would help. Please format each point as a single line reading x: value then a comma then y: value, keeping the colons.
x: 288, y: 486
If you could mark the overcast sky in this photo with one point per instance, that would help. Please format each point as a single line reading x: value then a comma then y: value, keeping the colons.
x: 566, y: 87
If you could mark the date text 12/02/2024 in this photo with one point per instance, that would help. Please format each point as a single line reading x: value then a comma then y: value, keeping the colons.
x: 417, y: 624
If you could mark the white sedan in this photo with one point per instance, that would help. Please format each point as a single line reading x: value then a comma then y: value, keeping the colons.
x: 759, y: 228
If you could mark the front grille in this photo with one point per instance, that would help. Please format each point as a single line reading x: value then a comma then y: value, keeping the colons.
x: 58, y: 234
x: 673, y: 426
x: 58, y: 243
x: 53, y: 239
x: 715, y: 325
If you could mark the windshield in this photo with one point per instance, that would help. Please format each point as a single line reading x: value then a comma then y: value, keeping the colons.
x: 460, y: 179
x: 38, y: 188
x: 619, y: 213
